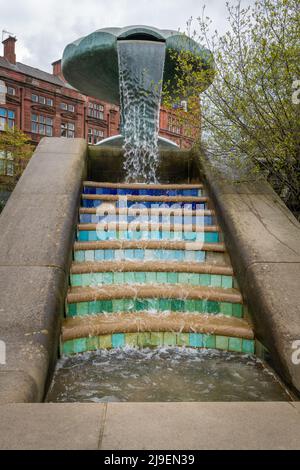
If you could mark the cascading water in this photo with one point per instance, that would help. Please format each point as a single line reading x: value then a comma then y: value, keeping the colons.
x: 141, y: 65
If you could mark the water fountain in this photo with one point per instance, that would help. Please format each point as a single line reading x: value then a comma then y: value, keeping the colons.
x: 128, y: 66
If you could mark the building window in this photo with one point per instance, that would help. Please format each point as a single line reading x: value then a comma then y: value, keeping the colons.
x: 67, y: 107
x: 49, y: 102
x: 7, y: 118
x: 41, y: 100
x: 96, y: 110
x: 41, y: 125
x: 94, y: 135
x: 11, y: 91
x: 67, y: 129
x: 6, y: 163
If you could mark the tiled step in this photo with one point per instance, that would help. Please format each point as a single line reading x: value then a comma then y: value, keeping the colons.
x: 141, y: 226
x: 149, y: 245
x: 96, y: 215
x: 158, y: 339
x: 94, y: 232
x: 135, y: 322
x: 121, y: 250
x: 130, y: 272
x: 142, y: 189
x: 96, y: 184
x: 94, y: 200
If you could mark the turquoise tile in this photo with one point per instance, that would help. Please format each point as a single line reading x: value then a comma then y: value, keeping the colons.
x: 98, y: 278
x: 189, y: 305
x: 76, y: 280
x: 79, y: 256
x: 209, y: 341
x: 71, y: 310
x: 151, y: 277
x: 183, y: 278
x: 79, y: 345
x: 164, y: 304
x: 129, y: 278
x: 227, y: 282
x: 222, y: 342
x: 140, y: 277
x: 92, y: 236
x: 153, y: 304
x: 235, y: 344
x: 86, y: 279
x: 95, y: 307
x: 107, y: 306
x: 226, y: 308
x: 196, y: 340
x: 118, y: 305
x: 118, y: 340
x: 248, y: 346
x: 200, y: 306
x: 99, y: 255
x: 204, y: 279
x: 108, y: 255
x: 237, y: 310
x: 89, y: 255
x: 107, y: 278
x: 68, y: 347
x: 162, y: 278
x: 213, y: 307
x: 172, y: 278
x: 141, y: 304
x: 82, y: 308
x: 83, y: 236
x: 128, y: 305
x: 118, y: 278
x: 215, y: 280
x: 194, y: 279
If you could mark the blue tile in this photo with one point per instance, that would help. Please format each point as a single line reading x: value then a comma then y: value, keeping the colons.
x: 118, y: 340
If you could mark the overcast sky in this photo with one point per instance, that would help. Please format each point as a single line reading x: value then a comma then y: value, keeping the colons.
x: 44, y: 27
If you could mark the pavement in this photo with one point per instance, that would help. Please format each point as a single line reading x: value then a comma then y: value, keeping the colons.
x: 150, y: 426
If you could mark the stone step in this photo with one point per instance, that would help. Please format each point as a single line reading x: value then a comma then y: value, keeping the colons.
x: 150, y: 266
x: 96, y: 184
x: 149, y: 245
x: 154, y: 291
x: 140, y: 226
x: 145, y: 198
x: 107, y: 209
x: 135, y: 322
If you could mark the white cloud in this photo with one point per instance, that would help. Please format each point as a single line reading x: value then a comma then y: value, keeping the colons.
x: 44, y: 28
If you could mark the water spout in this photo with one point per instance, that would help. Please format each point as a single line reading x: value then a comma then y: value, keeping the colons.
x: 141, y: 65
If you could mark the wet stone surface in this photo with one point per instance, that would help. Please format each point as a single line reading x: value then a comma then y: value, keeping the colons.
x: 163, y: 375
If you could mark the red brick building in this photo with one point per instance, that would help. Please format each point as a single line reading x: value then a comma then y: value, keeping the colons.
x: 44, y: 104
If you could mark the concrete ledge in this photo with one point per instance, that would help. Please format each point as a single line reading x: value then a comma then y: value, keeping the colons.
x: 190, y: 426
x: 263, y: 240
x: 36, y: 237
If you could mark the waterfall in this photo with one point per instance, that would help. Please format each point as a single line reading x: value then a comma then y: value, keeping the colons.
x: 141, y: 65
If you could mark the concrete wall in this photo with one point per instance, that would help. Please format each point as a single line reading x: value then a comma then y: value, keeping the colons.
x: 37, y: 228
x: 263, y: 239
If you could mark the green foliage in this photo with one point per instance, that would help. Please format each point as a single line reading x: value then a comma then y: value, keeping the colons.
x: 248, y: 115
x: 15, y: 152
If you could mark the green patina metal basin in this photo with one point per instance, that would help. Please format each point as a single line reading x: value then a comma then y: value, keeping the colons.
x: 90, y: 64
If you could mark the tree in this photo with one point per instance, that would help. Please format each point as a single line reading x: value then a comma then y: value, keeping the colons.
x: 15, y: 152
x: 251, y: 112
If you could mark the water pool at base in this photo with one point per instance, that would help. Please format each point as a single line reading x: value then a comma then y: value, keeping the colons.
x: 163, y: 375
